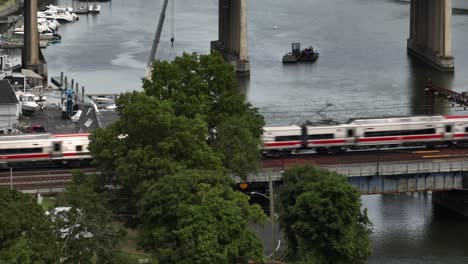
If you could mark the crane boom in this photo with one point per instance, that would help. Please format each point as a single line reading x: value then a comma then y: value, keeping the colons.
x: 157, y: 36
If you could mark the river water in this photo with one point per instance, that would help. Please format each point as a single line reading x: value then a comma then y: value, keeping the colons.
x: 363, y: 71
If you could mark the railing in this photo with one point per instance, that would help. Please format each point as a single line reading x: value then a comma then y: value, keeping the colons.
x: 383, y: 169
x: 374, y: 169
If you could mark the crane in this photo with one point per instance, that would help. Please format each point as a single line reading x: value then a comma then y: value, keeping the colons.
x: 157, y: 36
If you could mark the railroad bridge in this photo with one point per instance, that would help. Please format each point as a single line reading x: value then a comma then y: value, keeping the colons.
x: 444, y: 172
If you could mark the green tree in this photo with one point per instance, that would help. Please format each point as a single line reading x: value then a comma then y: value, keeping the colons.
x: 322, y: 217
x: 147, y: 142
x: 156, y: 142
x: 196, y: 217
x: 205, y: 86
x: 26, y: 234
x: 87, y: 232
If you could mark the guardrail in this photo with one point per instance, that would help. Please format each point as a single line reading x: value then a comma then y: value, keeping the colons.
x: 374, y: 169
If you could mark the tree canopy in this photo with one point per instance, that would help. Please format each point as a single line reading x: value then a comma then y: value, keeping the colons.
x: 26, y: 235
x: 197, y: 217
x: 172, y: 149
x: 191, y: 115
x: 322, y: 217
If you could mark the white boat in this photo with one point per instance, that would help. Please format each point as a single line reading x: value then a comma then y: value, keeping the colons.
x: 27, y: 101
x: 61, y: 8
x: 58, y: 15
x: 94, y: 8
x: 50, y: 23
x: 42, y: 28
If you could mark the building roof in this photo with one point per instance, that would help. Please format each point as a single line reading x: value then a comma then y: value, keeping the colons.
x: 7, y: 96
x: 30, y: 74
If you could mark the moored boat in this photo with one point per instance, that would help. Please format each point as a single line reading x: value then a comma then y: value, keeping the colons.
x: 27, y: 101
x: 298, y: 55
x: 94, y: 9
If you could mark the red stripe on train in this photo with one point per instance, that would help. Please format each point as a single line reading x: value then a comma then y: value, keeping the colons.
x: 25, y: 156
x: 457, y: 117
x: 280, y: 144
x: 374, y: 139
x: 327, y: 141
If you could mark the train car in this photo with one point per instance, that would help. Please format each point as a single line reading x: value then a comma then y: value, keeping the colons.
x: 329, y: 138
x: 369, y: 133
x: 460, y: 128
x: 25, y: 148
x: 44, y: 147
x: 68, y: 147
x: 401, y: 131
x: 282, y: 139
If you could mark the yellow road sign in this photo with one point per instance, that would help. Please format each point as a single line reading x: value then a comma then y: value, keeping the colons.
x: 243, y: 185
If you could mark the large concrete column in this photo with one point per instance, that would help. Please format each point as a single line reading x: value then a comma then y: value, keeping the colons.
x: 30, y: 57
x: 232, y: 36
x: 430, y: 33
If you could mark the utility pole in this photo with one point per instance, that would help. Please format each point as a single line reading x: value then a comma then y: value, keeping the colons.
x: 272, y: 214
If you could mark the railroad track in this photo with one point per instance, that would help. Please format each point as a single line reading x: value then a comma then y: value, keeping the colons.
x: 366, y: 157
x: 37, y: 178
x: 28, y: 179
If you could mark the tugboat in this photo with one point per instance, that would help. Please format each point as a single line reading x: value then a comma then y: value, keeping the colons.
x: 298, y: 55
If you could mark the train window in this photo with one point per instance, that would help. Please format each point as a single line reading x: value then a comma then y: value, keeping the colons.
x: 466, y: 129
x: 320, y: 136
x: 20, y: 151
x: 288, y: 138
x: 350, y: 133
x: 56, y: 147
x: 79, y: 148
x: 448, y: 128
x: 400, y: 132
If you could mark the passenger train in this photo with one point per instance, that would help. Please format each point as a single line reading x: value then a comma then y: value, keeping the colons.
x: 355, y: 134
x: 367, y: 133
x: 61, y: 148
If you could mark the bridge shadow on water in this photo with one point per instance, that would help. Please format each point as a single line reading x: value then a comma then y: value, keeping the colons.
x: 420, y: 75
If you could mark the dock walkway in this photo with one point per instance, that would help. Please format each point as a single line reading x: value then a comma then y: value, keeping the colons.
x: 51, y: 119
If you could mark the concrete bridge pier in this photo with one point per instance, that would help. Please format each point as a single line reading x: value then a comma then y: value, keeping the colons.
x: 232, y: 42
x: 430, y: 37
x: 32, y: 57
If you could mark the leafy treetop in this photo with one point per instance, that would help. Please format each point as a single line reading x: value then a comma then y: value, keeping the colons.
x: 196, y: 217
x: 322, y: 217
x: 26, y: 235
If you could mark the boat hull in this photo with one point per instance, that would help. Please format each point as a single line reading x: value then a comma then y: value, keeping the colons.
x: 290, y: 58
